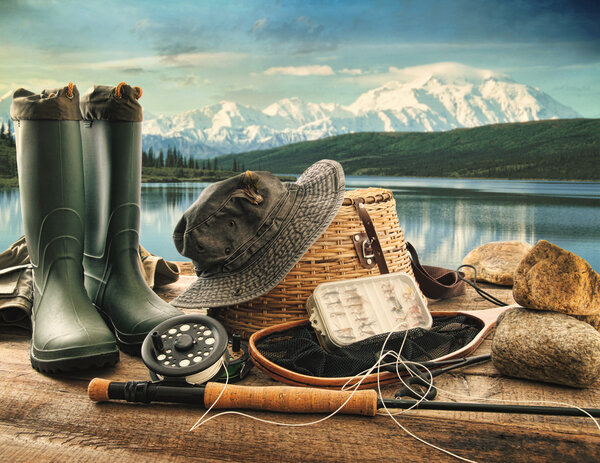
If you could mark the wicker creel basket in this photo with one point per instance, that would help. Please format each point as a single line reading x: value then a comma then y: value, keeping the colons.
x: 332, y: 257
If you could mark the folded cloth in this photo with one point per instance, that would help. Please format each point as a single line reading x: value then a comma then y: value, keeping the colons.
x: 156, y: 270
x: 16, y: 286
x: 16, y: 281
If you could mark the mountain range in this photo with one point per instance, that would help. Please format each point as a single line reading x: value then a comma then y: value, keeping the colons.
x: 437, y: 97
x: 431, y: 98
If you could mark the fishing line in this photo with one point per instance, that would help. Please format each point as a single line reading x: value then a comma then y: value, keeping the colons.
x: 353, y: 388
x: 429, y: 382
x: 484, y: 294
x: 208, y: 374
x: 192, y: 349
x: 199, y: 422
x: 522, y: 402
x: 186, y: 348
x: 403, y: 428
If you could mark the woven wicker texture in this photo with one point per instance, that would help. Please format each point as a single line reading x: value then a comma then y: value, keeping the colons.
x: 332, y: 257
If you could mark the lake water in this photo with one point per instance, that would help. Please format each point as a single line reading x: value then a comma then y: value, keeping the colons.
x: 443, y: 218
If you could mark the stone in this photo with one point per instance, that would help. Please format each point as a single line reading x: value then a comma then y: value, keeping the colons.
x: 593, y: 320
x: 496, y: 262
x: 550, y: 278
x: 546, y: 346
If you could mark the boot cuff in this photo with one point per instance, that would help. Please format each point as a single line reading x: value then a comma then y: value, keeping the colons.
x: 59, y: 104
x: 120, y: 103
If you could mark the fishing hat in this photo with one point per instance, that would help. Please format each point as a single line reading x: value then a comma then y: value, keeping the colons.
x: 245, y: 234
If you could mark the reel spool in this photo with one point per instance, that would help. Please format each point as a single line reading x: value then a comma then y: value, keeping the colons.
x: 186, y: 348
x: 239, y: 361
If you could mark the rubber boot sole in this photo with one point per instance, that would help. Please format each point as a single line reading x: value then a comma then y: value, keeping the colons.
x: 74, y: 364
x: 130, y: 348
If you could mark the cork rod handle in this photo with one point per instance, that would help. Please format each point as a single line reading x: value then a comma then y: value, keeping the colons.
x: 290, y: 399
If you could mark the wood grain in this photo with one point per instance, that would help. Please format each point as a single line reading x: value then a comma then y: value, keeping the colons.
x: 51, y: 419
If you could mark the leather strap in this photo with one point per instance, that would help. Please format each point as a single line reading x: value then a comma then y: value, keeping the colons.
x: 359, y: 205
x: 436, y: 282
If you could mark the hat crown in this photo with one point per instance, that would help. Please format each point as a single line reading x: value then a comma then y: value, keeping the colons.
x: 246, y: 233
x: 227, y: 218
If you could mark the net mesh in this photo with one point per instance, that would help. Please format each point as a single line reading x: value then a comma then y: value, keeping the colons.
x: 298, y: 349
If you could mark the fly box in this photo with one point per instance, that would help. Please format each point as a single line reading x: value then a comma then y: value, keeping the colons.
x: 344, y: 312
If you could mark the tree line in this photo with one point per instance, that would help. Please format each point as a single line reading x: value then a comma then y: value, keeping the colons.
x: 174, y: 158
x: 8, y: 158
x: 6, y: 134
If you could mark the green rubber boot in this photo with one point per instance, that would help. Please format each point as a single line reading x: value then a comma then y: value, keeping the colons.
x: 111, y: 133
x: 68, y: 334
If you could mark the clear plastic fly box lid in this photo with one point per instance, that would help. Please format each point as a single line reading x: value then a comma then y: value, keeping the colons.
x: 343, y: 312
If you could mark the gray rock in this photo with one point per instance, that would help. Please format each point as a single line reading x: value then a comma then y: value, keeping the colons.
x: 546, y: 346
x: 496, y: 262
x: 550, y: 278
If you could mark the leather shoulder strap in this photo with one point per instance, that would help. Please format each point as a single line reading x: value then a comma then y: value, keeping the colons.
x: 436, y: 282
x: 359, y: 205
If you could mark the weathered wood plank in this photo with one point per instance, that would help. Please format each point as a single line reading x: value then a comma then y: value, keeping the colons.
x: 46, y: 418
x: 62, y: 419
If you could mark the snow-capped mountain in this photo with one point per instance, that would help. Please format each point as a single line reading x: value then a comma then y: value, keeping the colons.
x: 436, y: 97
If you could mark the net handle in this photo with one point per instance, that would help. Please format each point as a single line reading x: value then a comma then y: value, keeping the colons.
x: 486, y: 317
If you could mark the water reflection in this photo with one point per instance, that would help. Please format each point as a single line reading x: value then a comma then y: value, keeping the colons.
x: 443, y: 218
x: 446, y: 227
x: 10, y: 217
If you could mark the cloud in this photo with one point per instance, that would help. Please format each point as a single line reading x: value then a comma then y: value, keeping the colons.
x: 141, y: 24
x: 180, y: 60
x: 190, y: 80
x: 446, y: 68
x: 133, y: 70
x: 314, y: 70
x: 412, y: 73
x: 352, y: 72
x: 258, y: 24
x: 176, y: 48
x: 180, y: 35
x: 37, y: 84
x: 302, y: 34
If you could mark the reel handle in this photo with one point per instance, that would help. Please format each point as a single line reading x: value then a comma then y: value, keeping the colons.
x: 285, y: 399
x: 289, y: 399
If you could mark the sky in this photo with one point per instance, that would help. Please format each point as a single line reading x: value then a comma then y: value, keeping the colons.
x: 189, y: 54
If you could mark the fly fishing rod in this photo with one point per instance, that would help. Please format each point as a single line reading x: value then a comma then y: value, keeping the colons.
x: 290, y: 399
x: 186, y: 352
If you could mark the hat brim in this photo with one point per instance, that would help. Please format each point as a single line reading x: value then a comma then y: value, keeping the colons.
x: 320, y: 196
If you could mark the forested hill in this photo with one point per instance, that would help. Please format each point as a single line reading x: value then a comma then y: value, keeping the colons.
x: 567, y: 149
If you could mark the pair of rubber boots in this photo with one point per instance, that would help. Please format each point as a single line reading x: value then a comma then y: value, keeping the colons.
x: 79, y: 167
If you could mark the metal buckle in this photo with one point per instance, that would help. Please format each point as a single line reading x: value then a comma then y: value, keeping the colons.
x: 367, y: 250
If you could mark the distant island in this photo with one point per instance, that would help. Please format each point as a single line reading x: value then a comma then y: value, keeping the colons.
x: 567, y: 149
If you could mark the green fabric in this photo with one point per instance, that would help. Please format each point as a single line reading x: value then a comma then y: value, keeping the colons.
x: 54, y: 104
x: 102, y: 103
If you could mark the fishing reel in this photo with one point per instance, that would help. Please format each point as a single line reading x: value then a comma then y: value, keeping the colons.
x: 194, y: 349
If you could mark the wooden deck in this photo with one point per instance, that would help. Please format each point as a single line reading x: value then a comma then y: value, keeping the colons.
x: 44, y: 418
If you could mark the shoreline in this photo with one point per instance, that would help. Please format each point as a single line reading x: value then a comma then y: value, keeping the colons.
x: 13, y: 182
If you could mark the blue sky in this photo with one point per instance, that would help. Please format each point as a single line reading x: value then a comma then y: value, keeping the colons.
x: 188, y: 54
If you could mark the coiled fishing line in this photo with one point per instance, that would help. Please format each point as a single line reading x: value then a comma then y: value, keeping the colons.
x: 353, y: 388
x: 192, y: 348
